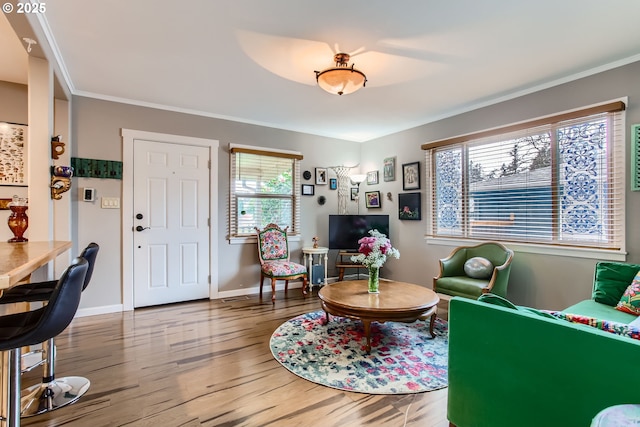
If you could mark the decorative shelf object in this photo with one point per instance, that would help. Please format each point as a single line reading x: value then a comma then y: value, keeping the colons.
x: 57, y: 147
x: 60, y: 180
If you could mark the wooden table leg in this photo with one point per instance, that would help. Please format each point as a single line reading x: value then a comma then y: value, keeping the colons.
x: 367, y: 333
x: 431, y: 323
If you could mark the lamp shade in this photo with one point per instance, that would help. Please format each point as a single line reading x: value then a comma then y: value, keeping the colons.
x: 357, y: 179
x: 341, y: 79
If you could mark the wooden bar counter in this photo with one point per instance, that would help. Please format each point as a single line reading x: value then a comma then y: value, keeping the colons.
x: 19, y: 260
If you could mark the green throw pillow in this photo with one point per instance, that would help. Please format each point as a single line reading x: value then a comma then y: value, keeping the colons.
x: 611, y: 280
x: 630, y: 301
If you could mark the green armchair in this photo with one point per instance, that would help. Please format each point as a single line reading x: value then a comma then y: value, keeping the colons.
x: 453, y: 280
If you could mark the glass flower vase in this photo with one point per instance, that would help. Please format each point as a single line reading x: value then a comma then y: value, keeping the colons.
x: 374, y: 280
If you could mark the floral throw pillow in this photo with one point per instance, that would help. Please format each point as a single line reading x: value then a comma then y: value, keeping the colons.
x: 630, y: 301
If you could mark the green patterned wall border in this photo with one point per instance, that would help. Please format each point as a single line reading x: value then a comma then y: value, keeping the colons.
x: 91, y: 168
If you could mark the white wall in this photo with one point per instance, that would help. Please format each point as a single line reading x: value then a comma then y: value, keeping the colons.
x: 538, y: 280
x: 97, y: 126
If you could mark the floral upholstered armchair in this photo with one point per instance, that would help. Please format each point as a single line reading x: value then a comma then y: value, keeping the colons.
x: 273, y: 251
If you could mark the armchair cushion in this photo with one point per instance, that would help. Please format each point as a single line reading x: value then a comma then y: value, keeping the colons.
x: 611, y: 280
x: 282, y: 268
x: 462, y: 286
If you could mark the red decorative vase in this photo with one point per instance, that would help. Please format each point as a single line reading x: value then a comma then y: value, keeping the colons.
x: 18, y: 223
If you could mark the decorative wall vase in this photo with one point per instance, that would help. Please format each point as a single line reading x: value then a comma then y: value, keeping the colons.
x: 374, y: 280
x: 18, y: 222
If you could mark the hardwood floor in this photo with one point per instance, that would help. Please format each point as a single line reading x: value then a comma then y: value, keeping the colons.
x: 208, y: 363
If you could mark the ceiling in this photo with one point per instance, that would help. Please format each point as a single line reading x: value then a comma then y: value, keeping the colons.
x: 253, y: 61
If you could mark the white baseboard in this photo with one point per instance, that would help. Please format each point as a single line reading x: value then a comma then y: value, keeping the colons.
x: 118, y: 308
x: 94, y: 311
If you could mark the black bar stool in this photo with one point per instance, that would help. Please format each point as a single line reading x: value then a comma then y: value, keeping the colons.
x: 34, y: 327
x: 50, y: 386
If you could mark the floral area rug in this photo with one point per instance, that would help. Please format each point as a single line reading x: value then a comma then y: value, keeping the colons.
x: 403, y: 358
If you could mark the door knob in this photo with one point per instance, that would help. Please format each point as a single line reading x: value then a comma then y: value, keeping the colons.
x: 140, y: 228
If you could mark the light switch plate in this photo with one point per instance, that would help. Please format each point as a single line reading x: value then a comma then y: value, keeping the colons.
x: 110, y: 203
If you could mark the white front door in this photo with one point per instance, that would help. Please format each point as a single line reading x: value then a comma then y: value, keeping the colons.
x: 170, y: 222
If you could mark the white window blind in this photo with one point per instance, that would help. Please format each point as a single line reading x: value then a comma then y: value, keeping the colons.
x: 558, y: 183
x: 263, y: 190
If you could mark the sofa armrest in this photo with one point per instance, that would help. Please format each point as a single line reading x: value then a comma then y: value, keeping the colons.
x: 509, y: 367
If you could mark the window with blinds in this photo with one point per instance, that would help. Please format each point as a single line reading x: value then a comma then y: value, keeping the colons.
x: 557, y: 181
x: 263, y: 190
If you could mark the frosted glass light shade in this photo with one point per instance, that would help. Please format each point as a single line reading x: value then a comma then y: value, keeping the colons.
x: 341, y: 81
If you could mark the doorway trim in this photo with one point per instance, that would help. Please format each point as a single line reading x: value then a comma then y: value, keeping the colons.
x: 128, y: 138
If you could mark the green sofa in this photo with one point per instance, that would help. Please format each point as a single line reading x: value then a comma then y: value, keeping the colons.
x: 522, y: 367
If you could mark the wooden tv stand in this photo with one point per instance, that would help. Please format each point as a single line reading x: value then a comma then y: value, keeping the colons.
x: 343, y: 263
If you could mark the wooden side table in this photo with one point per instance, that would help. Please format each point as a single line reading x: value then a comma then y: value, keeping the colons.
x: 343, y: 263
x: 308, y: 253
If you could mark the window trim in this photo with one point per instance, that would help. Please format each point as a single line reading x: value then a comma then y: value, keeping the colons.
x: 275, y: 152
x: 536, y: 247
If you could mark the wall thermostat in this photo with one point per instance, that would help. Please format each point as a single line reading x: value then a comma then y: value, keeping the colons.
x: 88, y: 194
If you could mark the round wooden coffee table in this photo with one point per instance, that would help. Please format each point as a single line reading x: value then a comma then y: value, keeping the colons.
x: 396, y: 302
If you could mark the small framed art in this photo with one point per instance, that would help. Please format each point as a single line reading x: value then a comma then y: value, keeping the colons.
x: 372, y: 199
x: 411, y: 176
x: 321, y: 176
x: 354, y: 193
x: 308, y: 190
x: 409, y: 206
x: 389, y: 169
x: 372, y: 177
x: 333, y: 183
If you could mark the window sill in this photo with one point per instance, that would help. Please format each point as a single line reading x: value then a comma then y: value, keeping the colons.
x: 596, y: 254
x: 253, y: 240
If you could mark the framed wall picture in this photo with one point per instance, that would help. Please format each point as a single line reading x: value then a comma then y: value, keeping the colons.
x: 389, y: 169
x: 354, y: 193
x: 372, y: 199
x: 411, y: 176
x: 333, y: 183
x: 308, y: 190
x: 321, y: 176
x: 372, y: 177
x: 13, y: 153
x: 410, y: 206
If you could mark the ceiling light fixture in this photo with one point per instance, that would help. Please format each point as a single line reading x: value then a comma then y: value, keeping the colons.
x: 341, y: 79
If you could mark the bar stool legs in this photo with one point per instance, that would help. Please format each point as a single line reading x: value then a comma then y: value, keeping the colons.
x: 51, y: 393
x: 11, y: 387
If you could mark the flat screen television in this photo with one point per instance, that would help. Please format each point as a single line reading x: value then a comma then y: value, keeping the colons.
x: 346, y: 230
